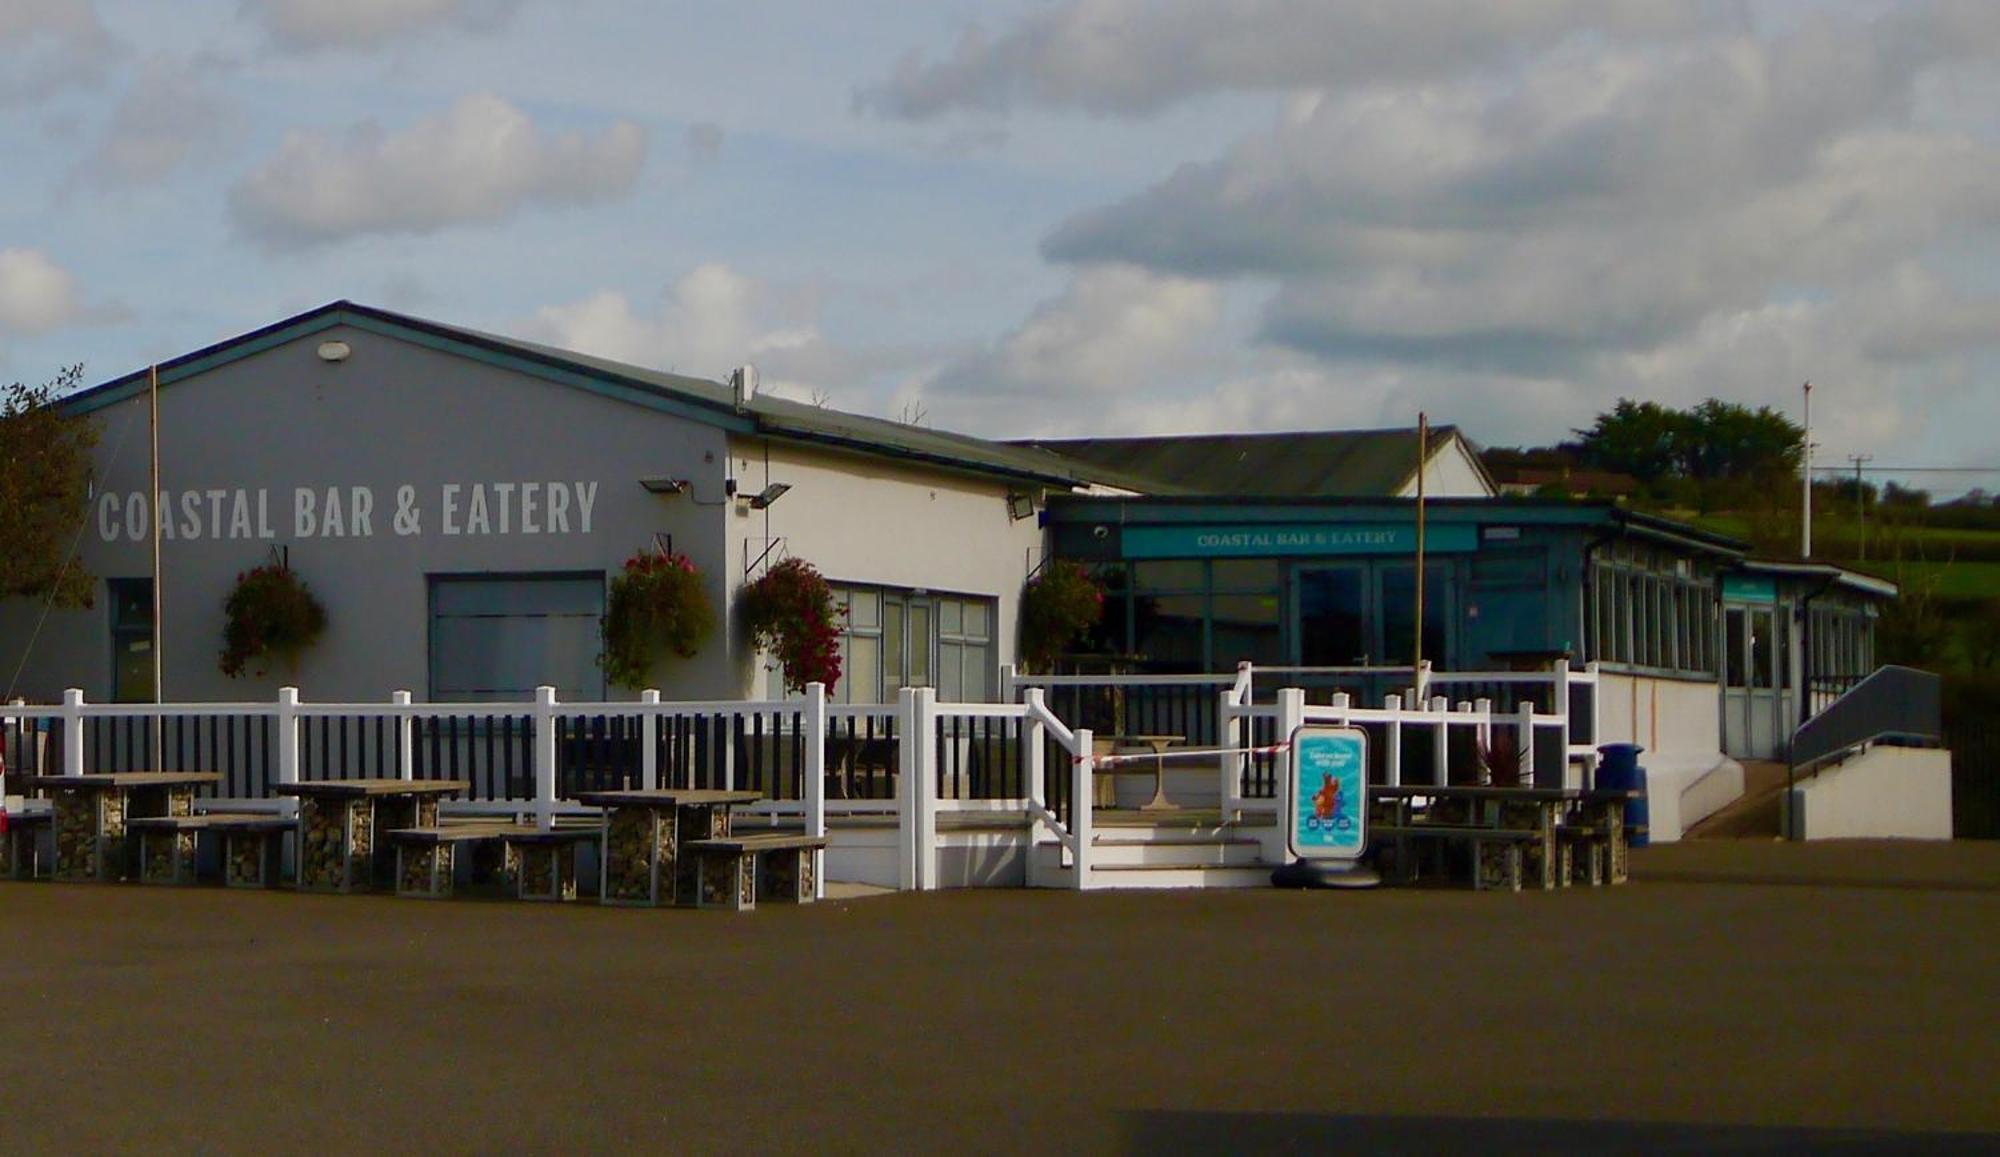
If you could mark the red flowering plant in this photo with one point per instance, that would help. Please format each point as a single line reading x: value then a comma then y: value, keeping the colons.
x: 789, y: 611
x: 1058, y: 604
x: 657, y: 602
x: 269, y: 613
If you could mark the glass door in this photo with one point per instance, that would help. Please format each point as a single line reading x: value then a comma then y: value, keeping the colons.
x: 1332, y: 617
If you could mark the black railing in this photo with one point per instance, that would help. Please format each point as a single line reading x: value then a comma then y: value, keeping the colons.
x: 494, y: 753
x: 862, y: 756
x: 981, y: 758
x: 1895, y: 704
x: 1112, y: 708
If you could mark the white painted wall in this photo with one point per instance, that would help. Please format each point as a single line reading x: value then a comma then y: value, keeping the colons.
x: 1679, y: 723
x: 870, y: 520
x: 1450, y: 473
x: 1883, y: 793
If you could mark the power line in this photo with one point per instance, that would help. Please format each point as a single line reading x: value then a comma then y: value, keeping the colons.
x: 1907, y: 469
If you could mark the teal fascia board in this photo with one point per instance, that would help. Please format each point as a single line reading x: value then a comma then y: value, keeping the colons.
x: 132, y: 385
x: 1743, y: 589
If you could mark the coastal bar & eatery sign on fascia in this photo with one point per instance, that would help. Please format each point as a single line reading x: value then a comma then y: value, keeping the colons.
x: 452, y: 509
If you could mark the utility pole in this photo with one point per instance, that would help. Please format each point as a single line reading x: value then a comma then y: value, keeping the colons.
x: 1805, y: 447
x: 1860, y: 504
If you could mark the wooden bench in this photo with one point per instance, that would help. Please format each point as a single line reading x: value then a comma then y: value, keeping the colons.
x: 167, y: 846
x: 1499, y: 855
x: 737, y: 871
x: 23, y: 843
x: 426, y: 857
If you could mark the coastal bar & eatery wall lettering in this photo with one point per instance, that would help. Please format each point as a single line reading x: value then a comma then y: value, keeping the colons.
x: 450, y: 509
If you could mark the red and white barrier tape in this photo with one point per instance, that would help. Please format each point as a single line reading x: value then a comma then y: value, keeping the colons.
x: 1182, y: 753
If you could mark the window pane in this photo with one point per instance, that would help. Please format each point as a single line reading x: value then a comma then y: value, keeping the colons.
x: 951, y: 616
x: 1246, y: 574
x: 976, y: 621
x: 920, y: 645
x: 1169, y: 628
x: 863, y: 675
x: 1245, y: 627
x: 1734, y: 619
x: 978, y: 672
x: 864, y: 610
x: 951, y: 687
x: 1170, y: 575
x: 892, y: 646
x: 1331, y: 618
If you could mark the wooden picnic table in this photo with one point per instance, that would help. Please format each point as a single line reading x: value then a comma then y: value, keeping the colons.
x: 645, y: 860
x: 339, y: 819
x: 91, y: 812
x: 1158, y: 745
x: 1511, y: 829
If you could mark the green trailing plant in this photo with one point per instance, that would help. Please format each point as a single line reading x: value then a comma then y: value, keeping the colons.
x: 45, y: 463
x: 1058, y: 605
x: 270, y: 613
x: 658, y: 603
x: 789, y: 611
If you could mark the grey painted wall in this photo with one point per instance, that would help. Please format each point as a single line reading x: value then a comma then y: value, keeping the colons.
x: 251, y: 449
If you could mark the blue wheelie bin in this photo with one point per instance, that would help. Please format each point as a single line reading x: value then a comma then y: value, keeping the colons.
x: 1618, y: 770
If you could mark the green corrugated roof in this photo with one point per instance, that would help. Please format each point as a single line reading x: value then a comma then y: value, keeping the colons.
x: 696, y: 398
x: 1311, y: 463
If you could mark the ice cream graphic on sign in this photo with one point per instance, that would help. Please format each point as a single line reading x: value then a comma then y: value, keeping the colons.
x: 1329, y: 793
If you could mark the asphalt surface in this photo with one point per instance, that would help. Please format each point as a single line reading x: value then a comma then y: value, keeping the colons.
x: 1752, y: 997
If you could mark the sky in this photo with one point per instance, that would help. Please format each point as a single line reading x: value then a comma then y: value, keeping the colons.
x: 1078, y: 217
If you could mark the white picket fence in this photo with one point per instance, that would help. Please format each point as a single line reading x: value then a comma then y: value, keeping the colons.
x: 1020, y: 764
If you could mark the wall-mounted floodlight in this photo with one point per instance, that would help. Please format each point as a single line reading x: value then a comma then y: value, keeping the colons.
x: 664, y: 485
x: 1020, y: 506
x: 768, y: 495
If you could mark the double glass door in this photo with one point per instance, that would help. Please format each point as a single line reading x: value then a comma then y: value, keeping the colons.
x: 1364, y: 614
x: 1757, y: 710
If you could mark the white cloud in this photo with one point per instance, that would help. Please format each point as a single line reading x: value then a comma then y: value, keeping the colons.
x: 1135, y: 56
x: 1115, y: 329
x: 482, y: 160
x: 167, y: 118
x: 708, y: 322
x: 306, y: 26
x: 36, y: 294
x: 47, y: 45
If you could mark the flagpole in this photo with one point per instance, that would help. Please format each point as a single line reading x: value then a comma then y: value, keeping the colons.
x: 1417, y: 660
x: 153, y: 501
x: 1805, y: 443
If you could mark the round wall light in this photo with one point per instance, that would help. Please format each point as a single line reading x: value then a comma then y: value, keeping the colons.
x: 334, y: 351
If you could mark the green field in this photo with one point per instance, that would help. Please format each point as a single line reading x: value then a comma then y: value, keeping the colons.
x: 1956, y: 580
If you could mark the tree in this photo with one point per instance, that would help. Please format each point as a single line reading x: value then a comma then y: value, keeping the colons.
x: 1643, y: 439
x: 45, y: 464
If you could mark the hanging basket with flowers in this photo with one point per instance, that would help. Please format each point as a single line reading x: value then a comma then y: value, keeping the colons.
x: 789, y: 611
x: 1058, y: 604
x: 270, y: 613
x: 658, y: 604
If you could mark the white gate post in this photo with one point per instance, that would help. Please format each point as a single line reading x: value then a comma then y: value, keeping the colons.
x: 1525, y: 743
x: 1291, y: 716
x: 814, y: 741
x: 288, y: 744
x: 1393, y: 765
x: 649, y: 740
x: 1559, y: 691
x: 926, y: 786
x: 1083, y: 768
x: 545, y: 757
x: 1032, y: 739
x: 406, y: 755
x: 72, y: 718
x: 1009, y: 685
x: 907, y: 769
x: 1230, y: 765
